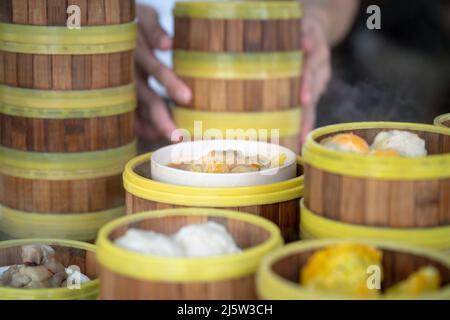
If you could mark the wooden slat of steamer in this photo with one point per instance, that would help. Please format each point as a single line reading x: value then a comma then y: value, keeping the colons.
x: 284, y: 35
x: 182, y: 34
x: 199, y: 34
x: 20, y: 11
x: 352, y: 200
x: 6, y: 11
x: 444, y: 201
x: 10, y: 66
x: 235, y: 95
x: 314, y: 186
x: 253, y: 35
x: 332, y: 195
x: 18, y: 130
x: 234, y: 36
x: 253, y: 95
x: 426, y: 208
x: 36, y: 137
x: 217, y: 96
x: 81, y: 195
x: 73, y: 135
x: 217, y: 35
x: 269, y: 36
x: 377, y: 208
x: 42, y: 195
x: 289, y: 219
x: 402, y: 205
x: 271, y: 98
x: 56, y: 11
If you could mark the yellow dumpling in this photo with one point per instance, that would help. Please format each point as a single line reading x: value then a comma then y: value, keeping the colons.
x: 424, y: 280
x: 341, y: 269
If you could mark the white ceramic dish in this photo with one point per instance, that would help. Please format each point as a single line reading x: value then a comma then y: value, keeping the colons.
x: 188, y: 151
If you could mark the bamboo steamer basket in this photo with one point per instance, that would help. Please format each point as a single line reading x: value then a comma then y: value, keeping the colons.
x: 443, y: 120
x: 64, y: 195
x: 68, y: 253
x: 313, y: 226
x: 125, y: 275
x: 381, y: 192
x: 243, y: 67
x: 278, y: 274
x: 278, y: 202
x: 47, y: 72
x: 233, y: 26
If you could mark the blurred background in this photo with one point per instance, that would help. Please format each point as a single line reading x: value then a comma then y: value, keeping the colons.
x: 398, y: 73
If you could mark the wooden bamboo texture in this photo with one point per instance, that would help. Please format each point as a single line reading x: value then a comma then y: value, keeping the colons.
x: 61, y: 197
x: 65, y: 73
x: 397, y: 266
x: 284, y: 214
x: 243, y: 95
x: 237, y: 36
x: 68, y: 256
x: 66, y: 135
x: 384, y: 203
x: 119, y: 287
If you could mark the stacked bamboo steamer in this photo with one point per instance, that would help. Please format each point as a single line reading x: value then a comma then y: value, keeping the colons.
x: 401, y: 199
x: 242, y: 61
x: 67, y: 103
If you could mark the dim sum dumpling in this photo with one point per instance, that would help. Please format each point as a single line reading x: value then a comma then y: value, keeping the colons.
x: 150, y: 243
x: 201, y: 240
x: 407, y: 144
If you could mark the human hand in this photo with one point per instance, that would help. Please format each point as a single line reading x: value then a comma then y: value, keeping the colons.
x: 153, y: 120
x: 317, y: 68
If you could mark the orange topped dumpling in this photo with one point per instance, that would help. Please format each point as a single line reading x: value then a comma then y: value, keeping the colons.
x: 347, y: 142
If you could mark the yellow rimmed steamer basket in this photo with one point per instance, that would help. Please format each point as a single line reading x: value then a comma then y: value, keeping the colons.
x: 61, y: 195
x: 402, y: 199
x: 278, y: 202
x: 67, y: 102
x: 126, y: 275
x: 66, y: 89
x: 443, y: 120
x: 243, y: 62
x: 279, y: 273
x: 69, y: 253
